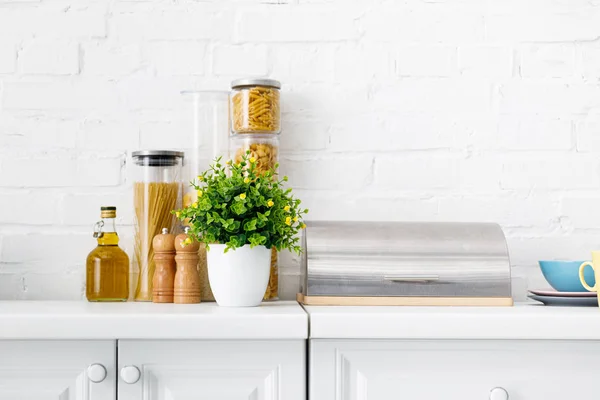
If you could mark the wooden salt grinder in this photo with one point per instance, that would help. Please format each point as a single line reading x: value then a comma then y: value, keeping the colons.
x: 187, y: 279
x: 164, y: 273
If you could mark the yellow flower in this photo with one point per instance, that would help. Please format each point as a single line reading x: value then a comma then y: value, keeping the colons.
x: 286, y: 208
x: 295, y: 219
x: 302, y: 225
x: 186, y: 241
x: 270, y: 203
x: 177, y: 214
x: 200, y: 178
x: 229, y: 162
x: 200, y: 193
x: 246, y: 180
x: 195, y: 205
x: 288, y: 220
x: 243, y: 196
x: 252, y: 160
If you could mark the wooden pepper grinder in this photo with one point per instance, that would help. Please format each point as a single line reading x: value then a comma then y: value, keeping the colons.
x: 187, y: 279
x: 164, y: 274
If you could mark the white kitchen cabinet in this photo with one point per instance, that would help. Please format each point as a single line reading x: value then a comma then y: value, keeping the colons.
x: 215, y: 370
x: 152, y: 351
x: 452, y: 369
x: 57, y: 370
x: 153, y: 370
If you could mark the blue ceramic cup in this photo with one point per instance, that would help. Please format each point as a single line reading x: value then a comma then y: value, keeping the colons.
x: 564, y: 275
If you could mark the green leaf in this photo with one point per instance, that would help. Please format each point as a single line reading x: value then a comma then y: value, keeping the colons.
x: 233, y: 243
x: 250, y: 225
x: 204, y: 204
x: 256, y: 240
x: 238, y: 207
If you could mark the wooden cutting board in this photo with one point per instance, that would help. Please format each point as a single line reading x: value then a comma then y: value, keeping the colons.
x: 404, y: 301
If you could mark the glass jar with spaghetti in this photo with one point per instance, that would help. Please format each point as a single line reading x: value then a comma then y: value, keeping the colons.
x: 157, y: 190
x: 254, y: 106
x: 264, y: 148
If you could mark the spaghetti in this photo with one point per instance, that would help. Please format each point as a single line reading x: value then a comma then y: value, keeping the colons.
x: 153, y: 203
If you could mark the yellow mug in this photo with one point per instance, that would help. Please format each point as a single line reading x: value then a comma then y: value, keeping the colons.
x: 595, y: 264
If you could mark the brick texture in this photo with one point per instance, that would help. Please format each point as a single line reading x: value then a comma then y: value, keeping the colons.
x: 459, y: 110
x: 53, y: 57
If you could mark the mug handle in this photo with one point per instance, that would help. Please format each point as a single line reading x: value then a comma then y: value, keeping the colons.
x: 582, y: 277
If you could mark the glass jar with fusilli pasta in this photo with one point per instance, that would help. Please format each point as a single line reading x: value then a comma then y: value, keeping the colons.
x: 254, y: 106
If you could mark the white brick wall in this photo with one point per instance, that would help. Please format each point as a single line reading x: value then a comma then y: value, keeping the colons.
x: 252, y: 60
x: 461, y: 110
x: 49, y: 57
x: 8, y: 58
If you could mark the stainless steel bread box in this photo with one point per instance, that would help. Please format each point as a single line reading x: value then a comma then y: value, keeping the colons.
x: 405, y: 263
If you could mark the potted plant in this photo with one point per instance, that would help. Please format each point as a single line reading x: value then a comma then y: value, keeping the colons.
x: 240, y: 215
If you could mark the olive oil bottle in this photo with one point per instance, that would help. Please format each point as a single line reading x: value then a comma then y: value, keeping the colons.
x: 107, y: 266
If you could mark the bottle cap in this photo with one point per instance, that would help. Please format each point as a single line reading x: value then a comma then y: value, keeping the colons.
x: 108, y: 212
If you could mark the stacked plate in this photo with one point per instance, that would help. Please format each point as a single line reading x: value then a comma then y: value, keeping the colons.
x: 551, y: 297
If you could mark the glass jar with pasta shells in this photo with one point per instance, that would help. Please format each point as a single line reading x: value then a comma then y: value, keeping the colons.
x: 157, y: 191
x: 254, y: 106
x: 264, y: 148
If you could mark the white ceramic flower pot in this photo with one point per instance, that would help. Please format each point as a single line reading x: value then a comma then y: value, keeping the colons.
x: 238, y: 278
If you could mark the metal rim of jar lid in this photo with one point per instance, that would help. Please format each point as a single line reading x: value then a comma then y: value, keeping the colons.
x: 256, y: 82
x: 157, y: 157
x: 157, y: 153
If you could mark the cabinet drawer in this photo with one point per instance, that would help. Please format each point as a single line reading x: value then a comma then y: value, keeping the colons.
x: 57, y: 370
x: 452, y: 370
x: 218, y: 370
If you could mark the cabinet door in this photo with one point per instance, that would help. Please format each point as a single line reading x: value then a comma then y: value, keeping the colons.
x: 57, y: 370
x: 453, y: 370
x: 212, y: 370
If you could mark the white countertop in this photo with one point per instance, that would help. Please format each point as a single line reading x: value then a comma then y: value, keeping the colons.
x: 518, y: 322
x: 287, y: 320
x: 83, y: 320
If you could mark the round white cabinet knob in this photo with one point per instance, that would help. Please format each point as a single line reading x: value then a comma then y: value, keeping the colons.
x: 498, y: 394
x: 96, y: 373
x: 130, y: 374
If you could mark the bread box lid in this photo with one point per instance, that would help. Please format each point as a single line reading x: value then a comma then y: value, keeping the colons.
x: 405, y: 259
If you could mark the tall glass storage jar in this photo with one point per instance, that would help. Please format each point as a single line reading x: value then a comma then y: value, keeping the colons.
x: 209, y: 127
x: 255, y: 106
x: 265, y: 149
x: 157, y: 191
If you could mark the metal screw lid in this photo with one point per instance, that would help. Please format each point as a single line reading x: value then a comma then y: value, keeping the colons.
x: 108, y: 212
x: 156, y: 158
x: 256, y: 82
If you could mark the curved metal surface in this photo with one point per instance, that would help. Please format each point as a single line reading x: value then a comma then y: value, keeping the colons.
x: 405, y: 259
